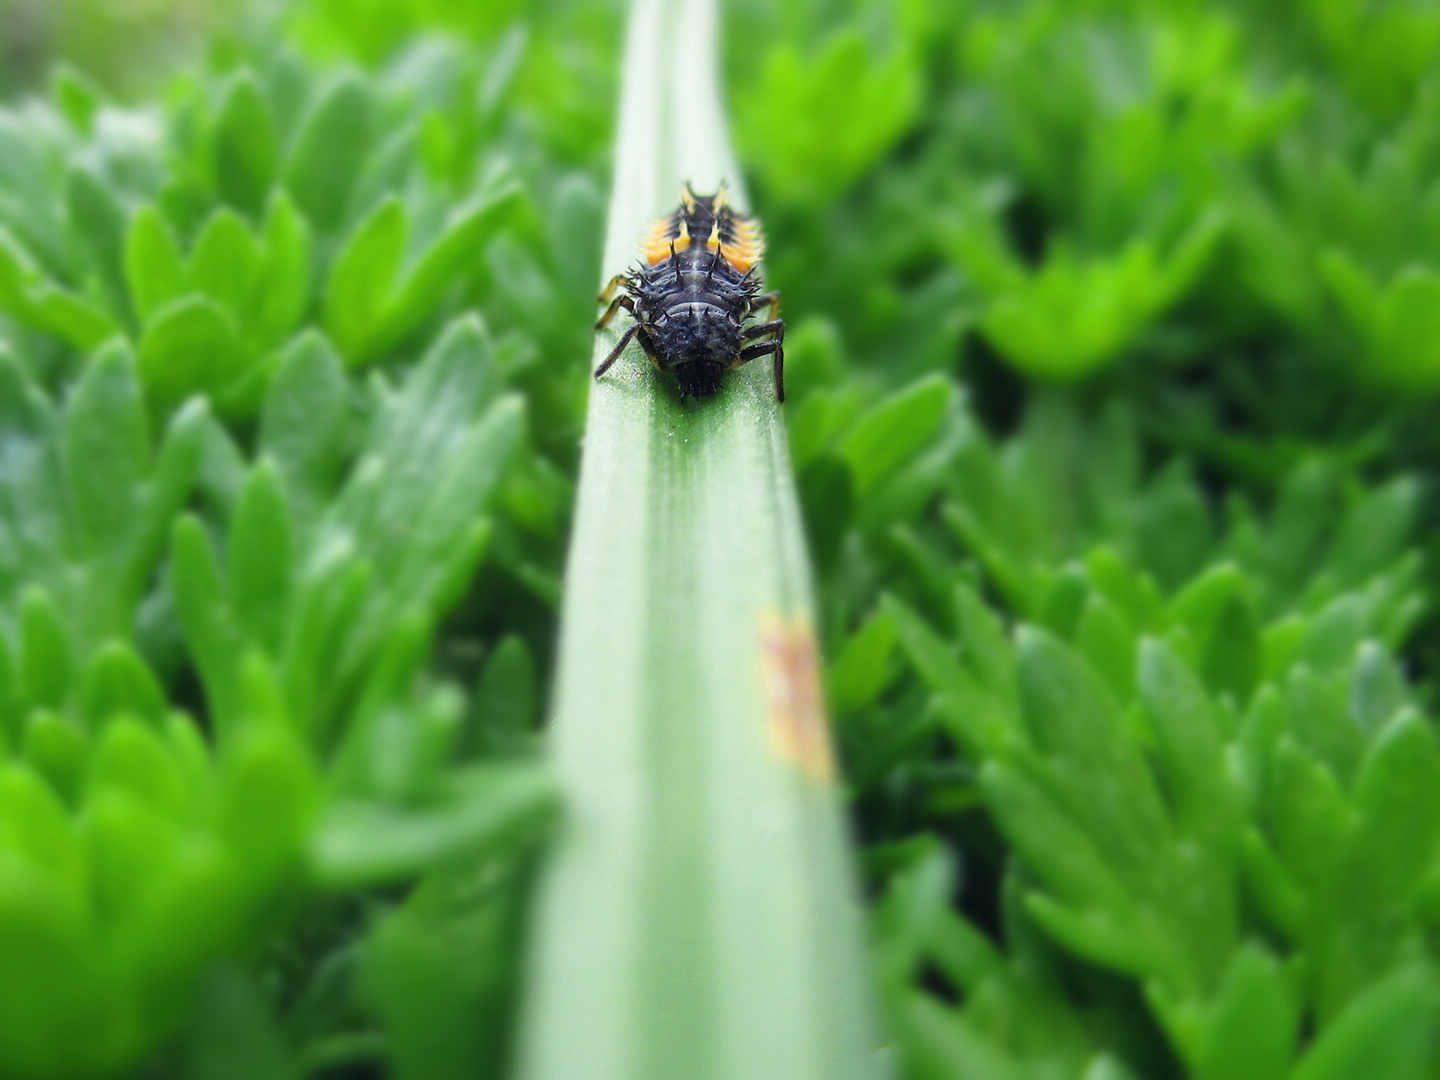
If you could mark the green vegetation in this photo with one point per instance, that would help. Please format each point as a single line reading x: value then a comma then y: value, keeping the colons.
x: 1113, y: 362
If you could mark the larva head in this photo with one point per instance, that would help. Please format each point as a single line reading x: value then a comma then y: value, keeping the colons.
x: 699, y: 342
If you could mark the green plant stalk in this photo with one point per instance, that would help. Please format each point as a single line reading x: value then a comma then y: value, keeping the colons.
x: 697, y: 917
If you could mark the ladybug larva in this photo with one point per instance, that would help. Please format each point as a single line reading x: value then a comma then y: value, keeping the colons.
x: 693, y: 295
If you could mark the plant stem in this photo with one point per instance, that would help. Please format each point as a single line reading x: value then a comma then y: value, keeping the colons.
x: 697, y: 917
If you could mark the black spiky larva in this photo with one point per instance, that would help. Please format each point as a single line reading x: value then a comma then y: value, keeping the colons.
x: 693, y: 295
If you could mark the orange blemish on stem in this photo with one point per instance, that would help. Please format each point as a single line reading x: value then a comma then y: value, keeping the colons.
x: 794, y: 706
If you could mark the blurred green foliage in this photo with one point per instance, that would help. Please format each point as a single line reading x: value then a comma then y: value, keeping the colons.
x: 1113, y: 365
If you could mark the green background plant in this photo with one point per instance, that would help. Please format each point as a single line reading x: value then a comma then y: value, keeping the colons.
x: 1112, y: 375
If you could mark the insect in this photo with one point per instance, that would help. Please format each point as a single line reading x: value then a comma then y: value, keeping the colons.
x: 693, y: 295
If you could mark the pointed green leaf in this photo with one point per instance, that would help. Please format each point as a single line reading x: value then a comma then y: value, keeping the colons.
x: 990, y: 652
x: 259, y: 559
x: 225, y: 262
x: 1125, y: 586
x: 76, y: 96
x: 326, y: 607
x: 1173, y: 526
x: 1109, y: 645
x: 441, y: 1020
x: 209, y: 629
x: 894, y: 431
x: 119, y: 682
x: 485, y: 808
x: 153, y: 267
x: 304, y: 419
x: 1385, y: 1032
x: 1333, y: 636
x: 363, y: 277
x: 469, y: 229
x: 1374, y: 532
x: 1190, y: 745
x: 107, y: 452
x: 907, y: 916
x: 1051, y: 843
x: 1104, y: 936
x: 45, y: 651
x: 98, y: 220
x: 1309, y: 816
x: 461, y: 489
x: 1397, y: 797
x: 1379, y: 690
x: 1077, y: 729
x: 1006, y: 564
x: 425, y: 424
x: 245, y: 153
x: 233, y: 1035
x: 176, y: 466
x: 1301, y: 523
x: 827, y: 496
x: 1320, y: 721
x: 1276, y: 893
x: 134, y: 757
x: 58, y: 750
x: 35, y: 828
x: 1231, y: 655
x: 32, y: 498
x: 863, y: 669
x: 504, y: 711
x: 268, y: 801
x: 1216, y: 610
x: 131, y: 847
x: 1251, y: 1027
x: 284, y: 280
x: 981, y: 723
x: 289, y: 83
x: 1405, y: 354
x: 190, y: 347
x: 223, y: 468
x: 938, y: 1044
x: 28, y: 294
x: 329, y: 149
